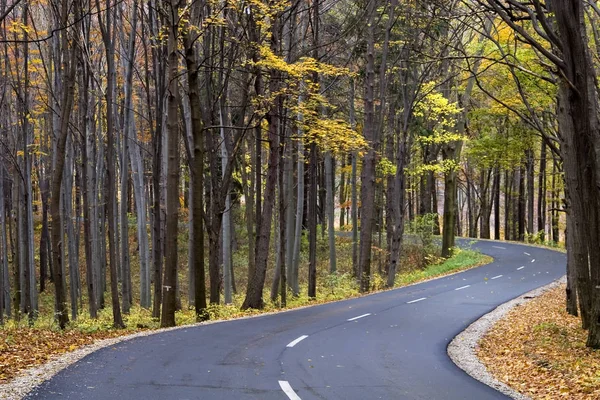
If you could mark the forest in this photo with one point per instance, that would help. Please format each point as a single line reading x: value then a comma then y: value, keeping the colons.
x: 169, y: 154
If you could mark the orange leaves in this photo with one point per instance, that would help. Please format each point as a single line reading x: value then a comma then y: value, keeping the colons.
x: 22, y: 348
x: 539, y: 350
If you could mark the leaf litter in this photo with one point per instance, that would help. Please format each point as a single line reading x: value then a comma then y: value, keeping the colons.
x: 539, y: 350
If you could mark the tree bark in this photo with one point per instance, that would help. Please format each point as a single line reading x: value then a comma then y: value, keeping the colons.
x: 169, y: 303
x: 68, y: 69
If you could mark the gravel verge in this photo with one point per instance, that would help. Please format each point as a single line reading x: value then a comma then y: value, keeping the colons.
x: 463, y: 348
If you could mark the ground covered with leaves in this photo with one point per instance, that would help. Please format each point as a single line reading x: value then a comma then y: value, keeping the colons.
x: 539, y: 350
x: 23, y: 346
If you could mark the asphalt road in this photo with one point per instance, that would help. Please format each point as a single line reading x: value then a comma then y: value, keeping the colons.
x: 390, y: 345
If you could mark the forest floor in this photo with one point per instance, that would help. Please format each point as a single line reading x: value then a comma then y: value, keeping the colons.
x: 539, y: 350
x: 23, y: 346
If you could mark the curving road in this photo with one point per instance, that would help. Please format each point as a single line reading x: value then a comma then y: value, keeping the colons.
x: 390, y: 345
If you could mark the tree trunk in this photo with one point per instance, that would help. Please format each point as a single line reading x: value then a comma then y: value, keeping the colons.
x: 508, y: 184
x: 128, y: 131
x: 541, y: 205
x: 254, y: 292
x: 299, y: 213
x: 367, y: 193
x: 197, y: 178
x: 521, y: 204
x: 169, y: 303
x: 108, y: 36
x: 496, y: 196
x: 330, y: 203
x: 354, y: 190
x: 67, y: 201
x: 530, y: 190
x: 68, y: 69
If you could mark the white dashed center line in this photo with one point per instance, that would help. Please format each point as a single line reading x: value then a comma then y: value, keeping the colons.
x: 520, y: 268
x: 533, y: 260
x: 417, y: 300
x: 526, y: 253
x: 360, y: 316
x: 463, y: 287
x: 287, y: 389
x: 295, y: 342
x: 498, y: 247
x: 497, y: 276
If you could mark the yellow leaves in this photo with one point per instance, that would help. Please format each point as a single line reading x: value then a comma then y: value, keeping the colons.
x: 22, y: 348
x: 540, y: 349
x: 437, y: 115
x: 385, y: 167
x: 435, y: 104
x: 334, y: 135
x: 441, y: 166
x: 301, y: 69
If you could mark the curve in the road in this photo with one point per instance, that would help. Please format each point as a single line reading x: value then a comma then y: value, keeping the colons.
x: 390, y: 345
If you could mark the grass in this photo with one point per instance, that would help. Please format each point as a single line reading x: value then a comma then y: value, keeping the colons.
x: 462, y: 259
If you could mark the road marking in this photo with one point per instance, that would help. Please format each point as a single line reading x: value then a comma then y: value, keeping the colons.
x: 526, y: 253
x: 533, y: 260
x: 295, y: 342
x: 360, y: 316
x: 417, y: 300
x: 520, y: 268
x: 497, y: 276
x: 498, y: 247
x: 463, y: 287
x: 287, y: 389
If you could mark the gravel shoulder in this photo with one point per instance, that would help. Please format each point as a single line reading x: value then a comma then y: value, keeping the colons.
x: 463, y: 348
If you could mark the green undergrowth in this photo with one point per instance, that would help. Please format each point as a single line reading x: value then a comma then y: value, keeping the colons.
x: 461, y: 260
x: 331, y: 287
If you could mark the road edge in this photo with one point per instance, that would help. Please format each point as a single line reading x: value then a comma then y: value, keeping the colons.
x: 462, y: 349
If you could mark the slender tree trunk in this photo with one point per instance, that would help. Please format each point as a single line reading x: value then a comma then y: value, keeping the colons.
x: 342, y: 195
x: 227, y: 264
x: 541, y: 205
x: 87, y: 225
x: 255, y: 288
x: 108, y: 36
x: 312, y: 221
x: 507, y: 204
x: 68, y: 80
x: 169, y: 303
x: 522, y: 204
x: 555, y: 203
x: 496, y: 195
x: 571, y: 288
x: 330, y: 203
x: 68, y: 214
x: 5, y: 287
x: 157, y: 165
x: 299, y: 212
x: 530, y: 190
x: 367, y: 193
x: 354, y: 191
x: 398, y: 195
x: 197, y: 177
x: 127, y: 133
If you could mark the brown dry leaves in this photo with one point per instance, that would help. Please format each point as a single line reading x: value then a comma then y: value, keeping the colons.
x: 539, y: 350
x: 22, y: 348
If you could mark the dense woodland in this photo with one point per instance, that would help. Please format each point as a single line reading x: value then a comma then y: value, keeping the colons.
x: 129, y: 129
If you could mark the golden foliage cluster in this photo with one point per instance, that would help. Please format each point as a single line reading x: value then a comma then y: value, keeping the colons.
x: 539, y: 350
